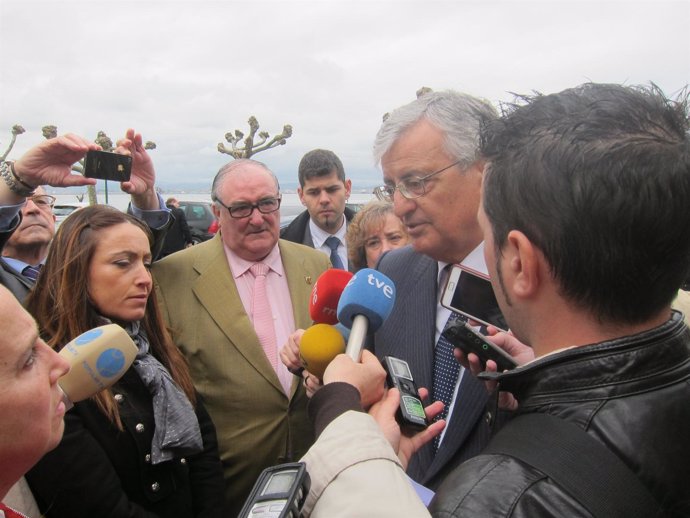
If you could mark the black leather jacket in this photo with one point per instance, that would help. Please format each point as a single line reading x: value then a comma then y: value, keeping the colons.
x: 632, y: 394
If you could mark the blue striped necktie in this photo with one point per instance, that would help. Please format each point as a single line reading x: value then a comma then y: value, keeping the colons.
x: 31, y: 272
x: 333, y: 243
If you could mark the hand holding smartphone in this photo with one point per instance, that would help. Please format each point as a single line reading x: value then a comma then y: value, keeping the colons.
x: 108, y: 166
x: 470, y: 293
x: 410, y: 415
x: 463, y: 336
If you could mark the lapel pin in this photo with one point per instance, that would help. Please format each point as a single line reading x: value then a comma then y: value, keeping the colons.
x: 307, y: 278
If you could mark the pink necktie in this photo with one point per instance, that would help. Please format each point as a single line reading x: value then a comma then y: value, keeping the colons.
x: 262, y: 315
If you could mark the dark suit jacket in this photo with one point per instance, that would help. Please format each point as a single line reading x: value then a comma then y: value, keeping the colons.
x: 409, y: 334
x: 178, y: 235
x: 9, y: 277
x: 298, y: 229
x: 98, y: 470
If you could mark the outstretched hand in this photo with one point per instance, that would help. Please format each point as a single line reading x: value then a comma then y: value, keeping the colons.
x: 50, y: 162
x: 405, y: 445
x: 368, y: 376
x: 141, y: 185
x: 290, y: 357
x: 520, y: 352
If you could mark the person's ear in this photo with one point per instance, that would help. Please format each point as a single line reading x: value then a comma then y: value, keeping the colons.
x: 216, y: 211
x: 300, y: 193
x: 524, y: 263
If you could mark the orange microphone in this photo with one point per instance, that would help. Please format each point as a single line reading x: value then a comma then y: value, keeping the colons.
x: 318, y: 346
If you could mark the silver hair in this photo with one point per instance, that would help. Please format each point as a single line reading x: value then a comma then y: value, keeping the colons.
x: 460, y: 116
x: 233, y: 166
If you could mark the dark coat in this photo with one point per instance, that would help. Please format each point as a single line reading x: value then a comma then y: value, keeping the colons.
x: 100, y: 471
x: 298, y: 229
x: 9, y: 277
x: 631, y: 394
x: 409, y: 334
x: 178, y: 235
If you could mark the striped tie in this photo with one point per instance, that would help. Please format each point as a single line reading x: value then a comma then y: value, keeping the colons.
x: 333, y: 243
x: 31, y: 272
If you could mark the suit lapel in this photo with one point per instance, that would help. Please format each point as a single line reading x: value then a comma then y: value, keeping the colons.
x: 216, y: 291
x: 409, y: 331
x: 300, y: 283
x: 24, y: 281
x: 421, y: 343
x: 467, y: 410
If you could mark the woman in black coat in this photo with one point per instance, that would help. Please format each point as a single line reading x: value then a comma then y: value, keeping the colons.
x: 146, y: 447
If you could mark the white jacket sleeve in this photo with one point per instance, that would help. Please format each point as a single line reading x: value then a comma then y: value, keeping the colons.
x: 355, y: 472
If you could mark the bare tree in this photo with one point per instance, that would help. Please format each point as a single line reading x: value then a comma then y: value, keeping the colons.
x: 252, y: 146
x: 16, y: 130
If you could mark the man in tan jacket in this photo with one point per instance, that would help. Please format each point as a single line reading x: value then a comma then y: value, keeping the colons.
x: 207, y: 293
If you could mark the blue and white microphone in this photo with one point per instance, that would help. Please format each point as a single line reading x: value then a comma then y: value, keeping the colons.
x: 366, y: 302
x: 98, y: 358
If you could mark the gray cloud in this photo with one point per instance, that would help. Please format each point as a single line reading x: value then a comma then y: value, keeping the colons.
x: 183, y: 73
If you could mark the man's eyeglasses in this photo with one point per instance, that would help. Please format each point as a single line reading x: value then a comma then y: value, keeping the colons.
x: 244, y: 210
x: 411, y: 187
x: 43, y: 201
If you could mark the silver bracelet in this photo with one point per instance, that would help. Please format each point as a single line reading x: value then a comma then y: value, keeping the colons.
x: 13, y: 182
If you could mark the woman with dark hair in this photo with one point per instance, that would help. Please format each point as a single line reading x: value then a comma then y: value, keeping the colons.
x: 146, y: 447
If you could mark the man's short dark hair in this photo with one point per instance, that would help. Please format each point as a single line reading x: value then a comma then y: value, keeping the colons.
x: 598, y: 178
x: 319, y: 162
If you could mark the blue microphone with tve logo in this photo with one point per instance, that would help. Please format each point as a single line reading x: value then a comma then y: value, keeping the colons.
x: 366, y: 302
x: 98, y: 358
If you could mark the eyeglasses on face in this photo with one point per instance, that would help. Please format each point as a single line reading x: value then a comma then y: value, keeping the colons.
x: 43, y: 201
x: 411, y: 187
x: 244, y: 210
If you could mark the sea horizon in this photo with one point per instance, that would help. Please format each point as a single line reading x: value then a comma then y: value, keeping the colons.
x: 290, y: 204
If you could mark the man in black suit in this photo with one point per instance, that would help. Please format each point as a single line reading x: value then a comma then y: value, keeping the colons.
x: 323, y: 190
x: 178, y: 236
x: 432, y: 171
x: 25, y: 247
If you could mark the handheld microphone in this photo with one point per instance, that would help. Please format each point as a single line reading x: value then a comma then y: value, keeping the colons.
x: 98, y: 358
x: 318, y: 346
x: 323, y: 303
x: 366, y: 302
x: 345, y: 331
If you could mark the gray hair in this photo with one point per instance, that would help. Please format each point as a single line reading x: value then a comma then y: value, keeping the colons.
x: 460, y: 116
x: 233, y: 166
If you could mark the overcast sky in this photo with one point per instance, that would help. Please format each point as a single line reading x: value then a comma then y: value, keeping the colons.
x: 184, y: 73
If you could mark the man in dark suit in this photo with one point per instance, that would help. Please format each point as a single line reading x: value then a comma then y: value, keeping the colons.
x: 323, y: 190
x: 432, y: 173
x: 25, y: 247
x: 178, y: 236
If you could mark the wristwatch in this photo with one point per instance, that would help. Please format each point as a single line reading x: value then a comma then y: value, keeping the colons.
x: 16, y: 185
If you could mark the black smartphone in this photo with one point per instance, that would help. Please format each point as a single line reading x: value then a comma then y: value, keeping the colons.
x: 108, y: 166
x: 410, y: 414
x: 465, y: 337
x: 469, y: 293
x: 279, y: 492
